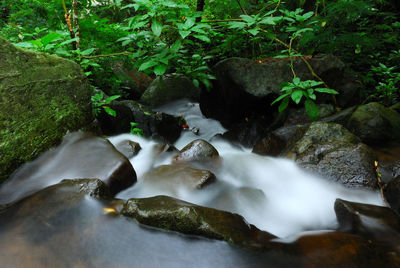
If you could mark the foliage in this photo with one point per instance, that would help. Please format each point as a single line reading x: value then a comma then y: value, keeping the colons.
x: 135, y: 130
x: 296, y: 89
x: 99, y: 102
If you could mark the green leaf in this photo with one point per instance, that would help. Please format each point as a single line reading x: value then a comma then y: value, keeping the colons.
x: 284, y: 104
x: 268, y: 20
x: 189, y: 22
x: 147, y: 64
x: 196, y: 82
x: 312, y: 96
x: 184, y: 34
x: 110, y: 111
x: 311, y: 109
x: 237, y: 25
x: 296, y: 81
x: 249, y: 19
x: 202, y: 38
x: 326, y: 90
x: 279, y: 98
x: 297, y: 95
x: 254, y: 31
x: 156, y: 27
x: 87, y: 52
x: 49, y: 38
x: 176, y: 46
x: 160, y: 69
x: 111, y: 98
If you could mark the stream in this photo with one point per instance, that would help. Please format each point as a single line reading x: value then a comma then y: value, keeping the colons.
x: 271, y: 193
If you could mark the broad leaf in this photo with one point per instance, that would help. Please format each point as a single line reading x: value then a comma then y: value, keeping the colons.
x: 202, y: 38
x: 156, y: 27
x: 326, y: 90
x: 147, y: 64
x: 184, y: 34
x: 279, y: 98
x: 254, y: 31
x: 311, y: 109
x: 87, y: 52
x: 160, y: 69
x: 49, y: 38
x: 297, y: 95
x: 176, y: 46
x: 284, y: 104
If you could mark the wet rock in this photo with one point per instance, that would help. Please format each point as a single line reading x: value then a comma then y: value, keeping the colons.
x: 92, y: 187
x: 33, y: 115
x: 128, y: 148
x: 245, y: 87
x: 154, y: 124
x: 176, y: 215
x: 375, y: 124
x: 392, y: 194
x: 79, y: 156
x: 271, y: 145
x: 375, y: 222
x: 197, y: 151
x: 169, y: 88
x: 172, y: 178
x: 333, y: 152
x: 340, y: 117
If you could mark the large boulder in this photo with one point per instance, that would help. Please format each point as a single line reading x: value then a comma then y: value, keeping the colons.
x: 375, y: 124
x: 177, y: 215
x: 156, y: 125
x: 332, y: 151
x: 79, y: 156
x: 42, y: 97
x: 245, y: 87
x: 168, y: 88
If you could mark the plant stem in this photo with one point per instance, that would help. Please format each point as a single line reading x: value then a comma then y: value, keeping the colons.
x: 241, y: 7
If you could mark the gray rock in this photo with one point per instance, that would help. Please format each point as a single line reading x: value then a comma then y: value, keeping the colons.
x: 333, y: 152
x: 128, y: 148
x: 391, y: 192
x: 169, y: 88
x: 197, y: 151
x: 42, y: 97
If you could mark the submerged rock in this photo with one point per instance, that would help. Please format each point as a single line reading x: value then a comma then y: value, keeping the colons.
x: 176, y: 215
x: 169, y: 88
x: 375, y: 124
x: 197, y: 151
x: 42, y: 97
x: 172, y: 178
x: 333, y: 152
x: 79, y: 156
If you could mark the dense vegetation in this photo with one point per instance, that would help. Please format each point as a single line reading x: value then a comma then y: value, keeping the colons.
x: 188, y: 37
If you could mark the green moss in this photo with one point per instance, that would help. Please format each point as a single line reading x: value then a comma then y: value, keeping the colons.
x: 41, y: 98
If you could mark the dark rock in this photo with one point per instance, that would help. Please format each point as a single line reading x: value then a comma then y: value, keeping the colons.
x: 176, y: 215
x: 341, y: 117
x: 375, y: 124
x: 299, y: 116
x: 172, y: 178
x: 349, y: 88
x: 374, y: 222
x: 169, y: 88
x: 396, y: 107
x: 79, y: 156
x: 92, y: 187
x: 33, y: 115
x: 128, y: 148
x: 154, y: 124
x: 391, y: 192
x: 271, y: 145
x: 197, y: 151
x: 333, y: 152
x: 245, y: 88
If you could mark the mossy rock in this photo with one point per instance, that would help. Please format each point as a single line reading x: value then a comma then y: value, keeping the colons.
x: 42, y: 97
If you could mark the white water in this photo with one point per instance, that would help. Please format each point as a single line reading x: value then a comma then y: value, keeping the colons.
x: 271, y: 193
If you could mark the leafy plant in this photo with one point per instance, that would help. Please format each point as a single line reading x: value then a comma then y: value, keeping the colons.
x: 296, y: 89
x: 135, y: 130
x: 99, y: 102
x: 387, y: 89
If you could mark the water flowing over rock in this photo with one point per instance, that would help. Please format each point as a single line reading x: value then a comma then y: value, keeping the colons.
x: 176, y: 215
x: 42, y: 97
x: 169, y: 88
x: 154, y: 124
x: 197, y: 151
x: 375, y: 124
x: 79, y: 156
x: 332, y: 151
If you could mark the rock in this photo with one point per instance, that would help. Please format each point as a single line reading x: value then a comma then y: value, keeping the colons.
x: 92, y: 187
x: 79, y: 156
x: 154, y: 124
x: 173, y: 178
x: 375, y: 124
x: 396, y: 107
x: 340, y: 117
x: 333, y: 152
x: 374, y: 222
x: 271, y: 145
x: 391, y: 192
x: 128, y: 148
x: 245, y: 88
x: 42, y: 97
x: 299, y: 116
x: 176, y: 215
x: 197, y: 151
x: 169, y: 88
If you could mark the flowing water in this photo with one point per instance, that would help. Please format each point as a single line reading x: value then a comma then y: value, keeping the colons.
x: 271, y: 193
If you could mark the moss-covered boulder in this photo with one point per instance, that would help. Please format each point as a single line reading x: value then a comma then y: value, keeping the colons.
x: 375, y: 123
x: 176, y: 215
x: 41, y: 98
